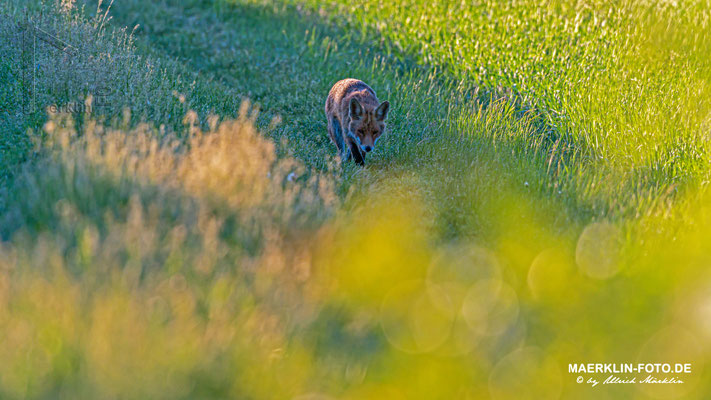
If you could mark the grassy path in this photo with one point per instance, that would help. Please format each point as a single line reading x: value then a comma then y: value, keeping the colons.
x: 285, y: 60
x: 280, y: 60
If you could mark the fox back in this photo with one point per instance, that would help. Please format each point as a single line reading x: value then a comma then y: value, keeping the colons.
x: 356, y: 119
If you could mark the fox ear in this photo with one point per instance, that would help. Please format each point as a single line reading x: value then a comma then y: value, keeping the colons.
x: 382, y: 111
x: 355, y: 110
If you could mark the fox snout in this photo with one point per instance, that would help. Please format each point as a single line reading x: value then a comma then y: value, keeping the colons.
x: 367, y: 144
x: 364, y: 145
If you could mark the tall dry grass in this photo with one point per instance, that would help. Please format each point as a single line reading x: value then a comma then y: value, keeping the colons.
x: 141, y: 265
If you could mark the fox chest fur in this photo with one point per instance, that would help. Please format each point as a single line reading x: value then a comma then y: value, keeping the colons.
x: 356, y: 119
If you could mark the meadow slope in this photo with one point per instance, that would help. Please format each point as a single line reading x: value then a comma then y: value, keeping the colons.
x: 540, y: 199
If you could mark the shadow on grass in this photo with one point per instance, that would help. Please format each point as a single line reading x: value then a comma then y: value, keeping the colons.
x: 286, y: 59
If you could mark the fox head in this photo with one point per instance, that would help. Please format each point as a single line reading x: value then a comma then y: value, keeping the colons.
x: 367, y: 125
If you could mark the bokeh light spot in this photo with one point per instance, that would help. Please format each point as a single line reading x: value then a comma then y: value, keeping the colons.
x: 550, y: 274
x: 525, y: 373
x: 597, y: 252
x: 411, y: 321
x: 490, y: 307
x: 672, y: 345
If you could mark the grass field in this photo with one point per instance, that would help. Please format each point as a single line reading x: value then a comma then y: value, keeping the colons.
x: 174, y: 222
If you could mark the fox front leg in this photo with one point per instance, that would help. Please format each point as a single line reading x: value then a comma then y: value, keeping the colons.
x: 358, y: 157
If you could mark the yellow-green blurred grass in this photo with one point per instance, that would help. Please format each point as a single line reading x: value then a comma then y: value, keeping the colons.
x: 503, y: 318
x: 529, y: 300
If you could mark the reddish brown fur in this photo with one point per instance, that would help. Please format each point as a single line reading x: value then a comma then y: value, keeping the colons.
x: 356, y: 119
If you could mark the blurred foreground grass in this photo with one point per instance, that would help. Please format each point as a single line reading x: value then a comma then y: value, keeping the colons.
x: 492, y: 241
x: 196, y: 270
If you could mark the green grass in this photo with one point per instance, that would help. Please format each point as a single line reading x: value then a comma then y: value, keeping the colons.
x: 622, y: 83
x: 302, y: 58
x: 539, y: 200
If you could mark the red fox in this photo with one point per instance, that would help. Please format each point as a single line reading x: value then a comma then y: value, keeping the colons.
x: 356, y: 119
